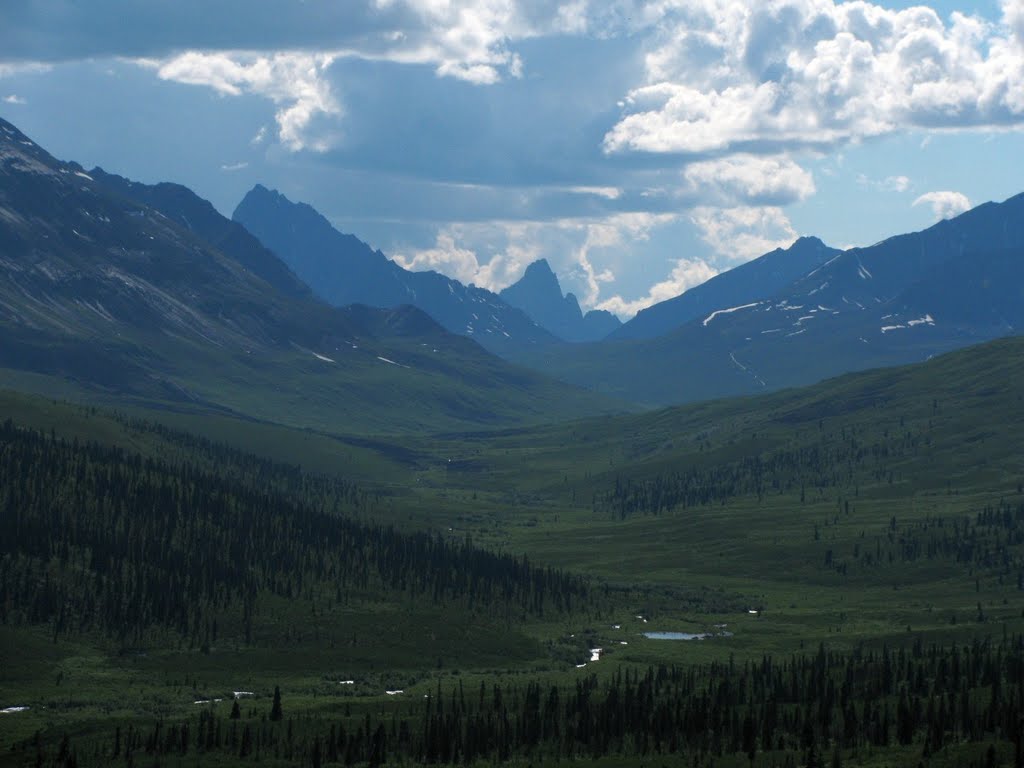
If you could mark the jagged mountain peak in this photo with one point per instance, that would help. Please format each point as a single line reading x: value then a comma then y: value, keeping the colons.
x: 539, y: 294
x: 538, y: 282
x: 343, y: 270
x: 540, y: 267
x: 118, y: 288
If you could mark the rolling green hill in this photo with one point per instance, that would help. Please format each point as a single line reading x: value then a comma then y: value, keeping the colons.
x: 816, y: 537
x: 224, y: 566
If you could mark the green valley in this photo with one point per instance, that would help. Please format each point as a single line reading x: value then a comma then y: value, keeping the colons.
x: 852, y: 552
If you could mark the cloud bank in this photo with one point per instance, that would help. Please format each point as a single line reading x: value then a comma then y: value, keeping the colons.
x: 725, y: 76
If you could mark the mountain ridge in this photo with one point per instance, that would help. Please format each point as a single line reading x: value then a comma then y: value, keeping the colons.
x: 344, y: 270
x: 754, y: 280
x: 126, y: 302
x: 864, y: 308
x: 539, y: 294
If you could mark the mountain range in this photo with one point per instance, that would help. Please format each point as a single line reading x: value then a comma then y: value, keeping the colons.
x: 757, y: 279
x: 128, y: 292
x: 148, y: 291
x: 539, y: 295
x: 957, y: 283
x: 344, y: 270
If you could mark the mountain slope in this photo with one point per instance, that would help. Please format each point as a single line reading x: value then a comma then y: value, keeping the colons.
x: 966, y: 407
x: 186, y: 208
x: 903, y: 300
x: 344, y: 270
x: 539, y: 295
x: 757, y: 279
x: 119, y: 299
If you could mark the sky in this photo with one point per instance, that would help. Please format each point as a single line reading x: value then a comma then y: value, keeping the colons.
x: 640, y: 147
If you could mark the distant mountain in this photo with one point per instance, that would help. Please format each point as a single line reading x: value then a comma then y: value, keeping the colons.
x: 539, y: 295
x: 113, y: 290
x: 903, y: 300
x: 186, y: 208
x: 599, y: 324
x: 755, y: 280
x: 344, y: 270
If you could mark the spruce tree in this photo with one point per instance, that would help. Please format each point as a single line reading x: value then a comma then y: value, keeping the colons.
x: 275, y: 708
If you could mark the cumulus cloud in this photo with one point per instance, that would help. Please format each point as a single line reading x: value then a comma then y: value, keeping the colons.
x: 686, y: 274
x: 445, y: 257
x: 944, y: 204
x: 750, y: 180
x: 725, y: 76
x: 738, y: 235
x: 465, y: 39
x: 491, y: 255
x: 1013, y: 18
x: 495, y: 254
x: 295, y: 82
x: 618, y: 231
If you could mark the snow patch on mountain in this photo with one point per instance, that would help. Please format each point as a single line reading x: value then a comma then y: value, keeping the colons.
x: 926, y: 320
x: 718, y: 312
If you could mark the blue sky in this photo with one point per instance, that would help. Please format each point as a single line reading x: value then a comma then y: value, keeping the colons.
x: 641, y: 147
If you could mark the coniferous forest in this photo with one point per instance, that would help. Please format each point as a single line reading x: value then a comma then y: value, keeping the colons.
x: 816, y: 709
x: 95, y: 539
x: 168, y: 597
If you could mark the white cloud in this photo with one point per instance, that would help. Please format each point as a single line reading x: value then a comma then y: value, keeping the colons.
x: 14, y: 99
x: 749, y: 180
x: 232, y: 167
x: 259, y: 138
x: 445, y: 257
x: 945, y: 204
x: 1013, y: 18
x: 295, y: 82
x: 618, y: 232
x: 888, y: 184
x: 461, y: 252
x: 727, y: 76
x: 608, y: 193
x: 464, y: 39
x: 686, y: 274
x: 11, y: 69
x: 741, y: 234
x: 897, y: 183
x: 495, y: 254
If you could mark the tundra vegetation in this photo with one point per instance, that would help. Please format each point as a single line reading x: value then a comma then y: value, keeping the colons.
x: 183, y: 587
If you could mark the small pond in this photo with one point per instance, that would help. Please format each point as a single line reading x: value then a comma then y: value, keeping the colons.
x: 684, y: 635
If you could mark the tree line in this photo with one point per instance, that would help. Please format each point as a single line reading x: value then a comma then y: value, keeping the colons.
x: 840, y: 460
x: 810, y: 709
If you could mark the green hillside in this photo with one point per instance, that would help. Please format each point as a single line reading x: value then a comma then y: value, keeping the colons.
x: 796, y: 499
x: 874, y: 522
